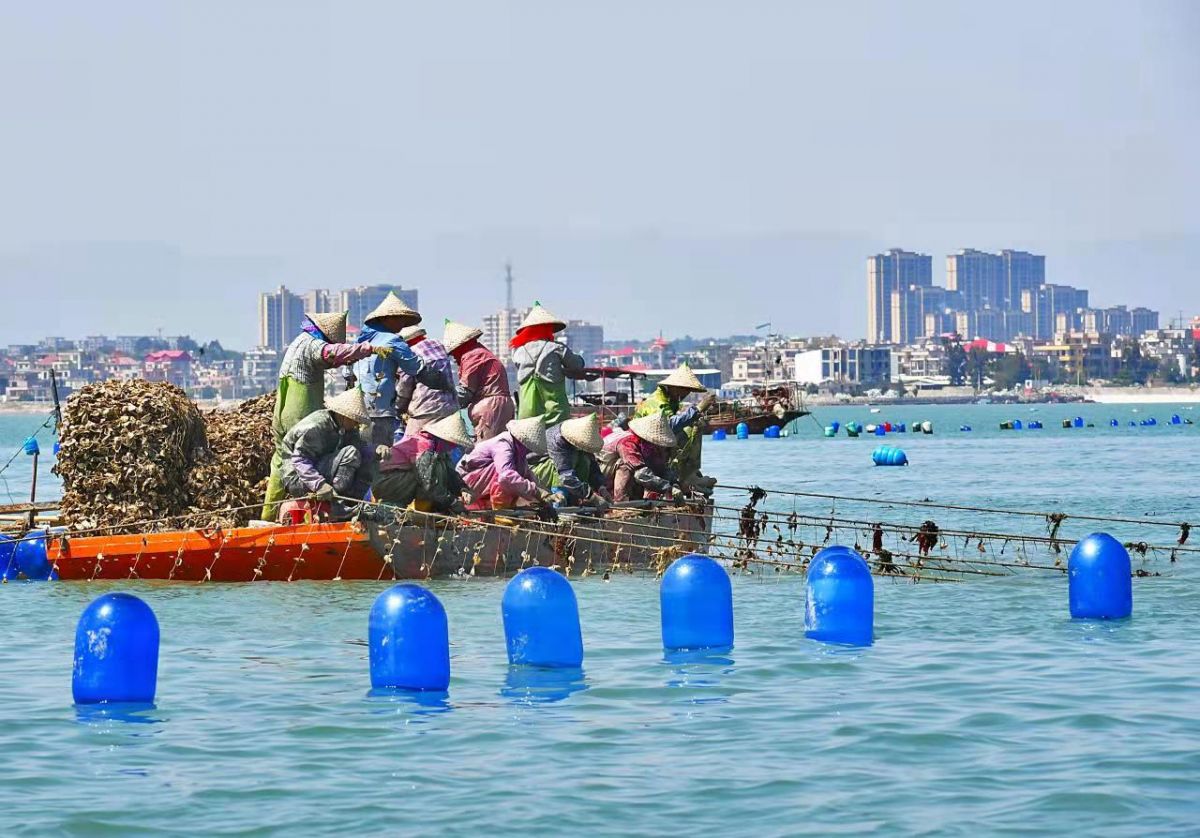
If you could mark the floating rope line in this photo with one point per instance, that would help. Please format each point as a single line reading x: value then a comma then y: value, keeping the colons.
x: 959, y: 507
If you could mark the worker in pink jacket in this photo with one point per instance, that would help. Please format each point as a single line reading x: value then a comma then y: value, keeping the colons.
x: 497, y: 471
x: 482, y: 381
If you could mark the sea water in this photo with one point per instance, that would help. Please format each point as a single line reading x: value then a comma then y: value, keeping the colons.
x: 981, y: 707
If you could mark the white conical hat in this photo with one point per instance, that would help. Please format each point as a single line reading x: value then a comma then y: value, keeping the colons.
x: 539, y: 316
x: 332, y: 325
x: 655, y: 429
x: 393, y: 306
x: 584, y: 433
x: 529, y: 432
x: 457, y: 334
x: 451, y: 428
x: 684, y: 379
x: 410, y: 332
x: 349, y: 404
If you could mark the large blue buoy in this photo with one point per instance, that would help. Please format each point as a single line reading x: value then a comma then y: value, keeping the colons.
x: 8, y: 559
x: 116, y: 651
x: 772, y: 432
x: 1100, y: 579
x: 32, y: 559
x: 887, y: 455
x: 408, y: 638
x: 541, y: 619
x: 696, y: 598
x: 841, y: 598
x: 718, y: 434
x: 743, y: 430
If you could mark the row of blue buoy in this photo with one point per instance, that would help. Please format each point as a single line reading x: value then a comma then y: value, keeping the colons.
x: 742, y: 431
x: 117, y: 638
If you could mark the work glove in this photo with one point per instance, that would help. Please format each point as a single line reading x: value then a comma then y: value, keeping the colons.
x: 325, y: 494
x: 383, y: 352
x: 677, y: 494
x: 705, y: 403
x: 383, y: 452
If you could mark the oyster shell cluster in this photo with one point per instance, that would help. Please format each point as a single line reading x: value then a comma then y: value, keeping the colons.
x: 138, y: 456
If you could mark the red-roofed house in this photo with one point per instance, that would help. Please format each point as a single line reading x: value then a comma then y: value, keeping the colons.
x: 171, y: 365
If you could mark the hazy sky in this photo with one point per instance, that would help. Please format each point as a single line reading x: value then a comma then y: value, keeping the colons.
x: 684, y: 166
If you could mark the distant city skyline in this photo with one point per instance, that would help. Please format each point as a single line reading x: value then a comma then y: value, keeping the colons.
x: 994, y: 296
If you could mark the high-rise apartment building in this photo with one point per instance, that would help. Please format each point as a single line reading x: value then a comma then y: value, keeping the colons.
x: 978, y: 277
x: 920, y: 311
x: 280, y: 316
x: 319, y: 301
x: 499, y: 329
x: 888, y: 273
x: 585, y: 338
x: 1142, y: 320
x: 1021, y: 272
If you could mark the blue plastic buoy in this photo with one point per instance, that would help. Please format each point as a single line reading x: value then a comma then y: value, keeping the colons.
x: 408, y: 638
x: 772, y: 432
x: 964, y: 428
x: 116, y: 651
x: 8, y: 559
x: 1034, y: 425
x: 31, y: 558
x: 1100, y: 579
x: 1017, y: 424
x: 718, y: 434
x: 902, y: 428
x: 887, y: 455
x: 1077, y: 421
x: 541, y: 619
x: 1151, y: 421
x: 743, y: 430
x: 841, y: 598
x: 697, y: 604
x: 1113, y: 422
x: 836, y: 425
x: 1175, y: 419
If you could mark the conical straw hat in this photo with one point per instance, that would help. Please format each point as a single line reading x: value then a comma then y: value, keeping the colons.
x: 332, y: 325
x: 684, y: 379
x: 529, y: 432
x: 457, y: 334
x: 655, y: 429
x: 410, y: 332
x: 393, y: 306
x: 349, y: 404
x: 584, y: 433
x: 540, y: 316
x: 451, y: 428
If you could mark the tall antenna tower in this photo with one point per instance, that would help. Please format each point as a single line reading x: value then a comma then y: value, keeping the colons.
x: 508, y: 282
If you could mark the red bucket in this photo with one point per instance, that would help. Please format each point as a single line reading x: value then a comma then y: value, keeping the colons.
x: 296, y: 516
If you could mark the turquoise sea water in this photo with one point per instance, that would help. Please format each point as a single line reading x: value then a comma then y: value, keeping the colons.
x: 981, y: 707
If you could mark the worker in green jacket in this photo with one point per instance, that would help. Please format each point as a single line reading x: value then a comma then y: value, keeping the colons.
x: 321, y: 345
x: 543, y: 367
x: 686, y: 422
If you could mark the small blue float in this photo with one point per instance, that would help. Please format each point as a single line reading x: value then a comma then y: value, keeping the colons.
x: 836, y: 425
x: 116, y: 651
x: 743, y: 430
x: 541, y: 620
x: 1077, y: 421
x: 1114, y: 422
x: 718, y: 434
x: 1035, y: 425
x: 880, y: 430
x: 31, y: 558
x: 408, y: 638
x: 772, y: 432
x: 697, y: 604
x: 964, y: 428
x: 1017, y: 424
x: 1175, y: 419
x: 902, y: 428
x: 840, y: 607
x: 1100, y: 579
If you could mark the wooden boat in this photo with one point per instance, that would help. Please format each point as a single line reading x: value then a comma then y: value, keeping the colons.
x: 773, y: 405
x: 645, y: 536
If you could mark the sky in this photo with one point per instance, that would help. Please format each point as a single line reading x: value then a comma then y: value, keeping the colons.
x: 676, y: 167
